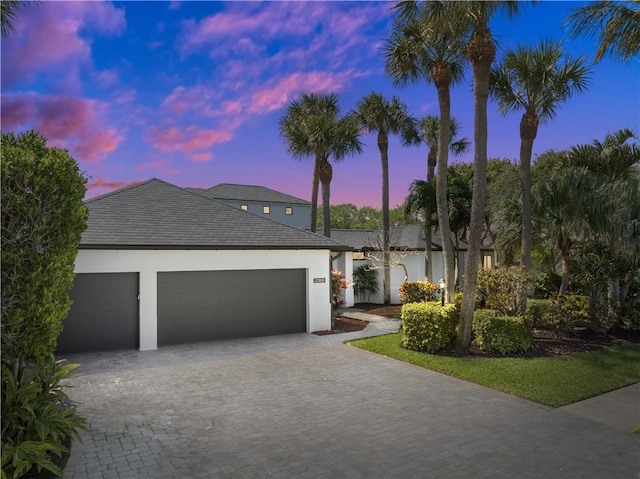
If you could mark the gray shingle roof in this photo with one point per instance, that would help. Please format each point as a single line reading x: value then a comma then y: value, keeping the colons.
x: 404, y: 237
x: 228, y: 191
x: 159, y: 215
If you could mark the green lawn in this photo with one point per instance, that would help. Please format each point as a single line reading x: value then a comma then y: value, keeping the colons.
x: 554, y: 381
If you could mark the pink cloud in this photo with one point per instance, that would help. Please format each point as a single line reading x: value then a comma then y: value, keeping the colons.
x: 67, y: 122
x: 49, y: 38
x: 101, y: 185
x: 107, y: 78
x: 182, y: 99
x: 190, y: 141
x: 162, y: 166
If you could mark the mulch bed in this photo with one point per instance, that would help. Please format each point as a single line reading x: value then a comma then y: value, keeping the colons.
x: 344, y: 325
x: 545, y: 344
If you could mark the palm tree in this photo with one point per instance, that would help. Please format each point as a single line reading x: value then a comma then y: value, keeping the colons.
x: 421, y: 201
x: 374, y: 113
x: 535, y: 81
x: 482, y: 51
x: 617, y: 25
x: 311, y: 126
x: 9, y: 14
x: 422, y: 47
x: 428, y: 132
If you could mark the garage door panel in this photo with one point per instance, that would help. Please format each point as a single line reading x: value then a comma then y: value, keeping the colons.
x: 104, y: 313
x: 210, y: 305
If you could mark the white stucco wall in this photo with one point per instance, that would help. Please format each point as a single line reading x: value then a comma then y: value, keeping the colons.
x: 149, y: 262
x: 344, y: 263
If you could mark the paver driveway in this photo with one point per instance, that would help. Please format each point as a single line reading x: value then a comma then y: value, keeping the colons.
x: 308, y: 406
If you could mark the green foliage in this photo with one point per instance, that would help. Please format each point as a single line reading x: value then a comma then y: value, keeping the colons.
x: 505, y: 289
x: 570, y: 310
x: 418, y: 291
x: 365, y: 282
x: 539, y: 311
x: 35, y: 422
x: 349, y: 216
x: 544, y: 285
x: 606, y: 314
x: 43, y: 217
x: 427, y: 326
x: 496, y: 333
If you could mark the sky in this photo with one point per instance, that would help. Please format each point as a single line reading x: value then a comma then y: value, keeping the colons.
x: 191, y: 92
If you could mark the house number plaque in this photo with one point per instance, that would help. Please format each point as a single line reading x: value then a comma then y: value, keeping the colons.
x: 319, y: 280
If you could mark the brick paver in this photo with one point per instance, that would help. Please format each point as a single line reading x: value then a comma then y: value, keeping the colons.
x: 306, y: 406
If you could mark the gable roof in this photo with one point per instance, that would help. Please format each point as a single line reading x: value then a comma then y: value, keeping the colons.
x: 158, y: 215
x: 409, y: 237
x: 228, y: 191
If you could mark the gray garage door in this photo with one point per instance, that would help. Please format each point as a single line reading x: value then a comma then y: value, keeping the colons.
x: 211, y: 305
x: 104, y: 313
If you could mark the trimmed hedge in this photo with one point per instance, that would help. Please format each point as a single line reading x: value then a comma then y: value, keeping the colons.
x: 427, y: 327
x: 495, y: 332
x: 418, y: 292
x: 539, y: 312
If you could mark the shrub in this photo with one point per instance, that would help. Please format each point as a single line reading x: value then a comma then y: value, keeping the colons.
x: 418, y: 292
x: 543, y: 286
x: 505, y: 289
x: 538, y: 312
x: 569, y: 311
x: 365, y: 282
x: 606, y: 314
x: 36, y: 425
x: 497, y: 333
x: 427, y: 327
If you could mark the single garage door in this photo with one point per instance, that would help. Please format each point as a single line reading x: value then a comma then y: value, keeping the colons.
x: 104, y: 313
x: 211, y: 305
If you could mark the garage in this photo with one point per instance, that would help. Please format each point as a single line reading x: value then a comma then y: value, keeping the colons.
x: 104, y: 313
x: 212, y: 305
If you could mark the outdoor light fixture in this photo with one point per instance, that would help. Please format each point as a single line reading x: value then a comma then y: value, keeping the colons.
x: 443, y: 284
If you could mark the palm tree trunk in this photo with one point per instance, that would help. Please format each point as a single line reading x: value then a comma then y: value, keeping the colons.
x: 428, y: 256
x: 432, y: 158
x: 564, y: 286
x: 314, y: 197
x: 383, y: 146
x: 528, y: 133
x: 442, y: 78
x: 481, y: 53
x: 325, y: 172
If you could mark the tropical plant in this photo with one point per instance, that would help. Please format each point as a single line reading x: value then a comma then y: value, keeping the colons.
x: 617, y: 25
x: 535, y: 81
x: 365, y: 282
x: 421, y: 201
x: 311, y: 126
x: 9, y: 15
x: 427, y: 44
x: 37, y: 424
x: 375, y: 114
x: 43, y: 217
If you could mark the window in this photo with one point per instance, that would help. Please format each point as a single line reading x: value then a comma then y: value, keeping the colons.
x: 266, y: 210
x: 288, y: 210
x: 244, y: 207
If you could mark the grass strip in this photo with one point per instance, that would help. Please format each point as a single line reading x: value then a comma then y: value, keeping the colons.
x: 554, y: 381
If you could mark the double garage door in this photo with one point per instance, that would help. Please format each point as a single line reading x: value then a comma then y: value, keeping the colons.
x: 192, y: 306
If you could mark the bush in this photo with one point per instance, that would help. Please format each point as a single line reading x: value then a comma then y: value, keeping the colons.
x: 427, y: 327
x: 505, y: 289
x: 538, y: 312
x: 569, y: 311
x: 365, y: 282
x: 418, y: 292
x: 544, y: 286
x: 36, y: 424
x: 497, y: 333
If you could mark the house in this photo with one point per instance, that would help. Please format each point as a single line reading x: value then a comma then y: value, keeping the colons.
x: 408, y: 261
x: 262, y: 201
x: 161, y: 265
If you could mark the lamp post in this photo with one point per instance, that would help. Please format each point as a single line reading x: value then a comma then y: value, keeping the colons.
x: 443, y: 284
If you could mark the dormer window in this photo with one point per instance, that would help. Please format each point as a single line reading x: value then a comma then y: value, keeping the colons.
x: 288, y: 210
x: 266, y: 210
x: 244, y: 207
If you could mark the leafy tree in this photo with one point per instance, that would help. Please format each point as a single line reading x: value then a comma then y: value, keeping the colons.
x: 376, y: 114
x: 617, y: 25
x: 535, y: 81
x: 427, y: 44
x: 43, y: 217
x: 311, y: 126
